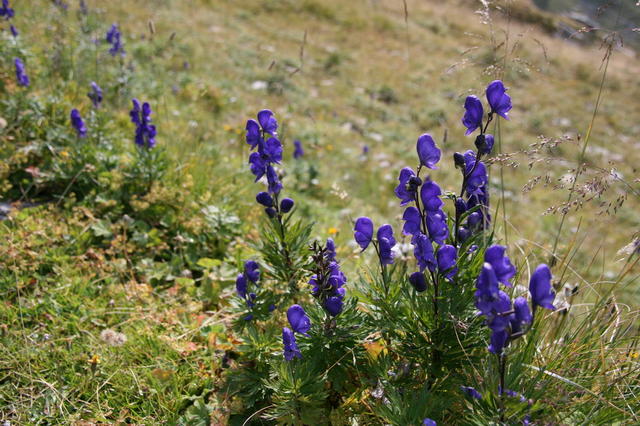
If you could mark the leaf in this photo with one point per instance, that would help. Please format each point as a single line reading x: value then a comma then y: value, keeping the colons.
x: 209, y: 263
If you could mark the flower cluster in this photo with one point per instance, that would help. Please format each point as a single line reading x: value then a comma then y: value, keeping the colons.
x: 95, y: 94
x: 328, y: 280
x: 145, y: 131
x: 6, y: 11
x: 21, y: 74
x: 300, y: 323
x: 509, y: 320
x: 114, y: 38
x: 251, y: 275
x: 269, y: 151
x: 474, y: 195
x: 78, y: 123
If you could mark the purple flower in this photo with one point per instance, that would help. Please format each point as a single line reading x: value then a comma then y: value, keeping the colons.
x: 522, y: 314
x: 257, y: 165
x: 473, y: 113
x: 95, y: 94
x: 298, y: 152
x: 498, y: 341
x: 386, y: 243
x: 447, y: 257
x: 363, y: 232
x: 423, y: 252
x: 272, y: 179
x: 267, y: 121
x: 78, y: 123
x: 437, y: 226
x: 286, y: 205
x: 486, y: 289
x: 300, y: 322
x: 252, y: 271
x: 428, y: 152
x: 333, y: 305
x: 273, y: 150
x: 418, y: 281
x: 330, y: 250
x: 430, y: 196
x: 241, y: 286
x: 145, y: 131
x: 469, y: 391
x: 500, y: 263
x: 540, y: 288
x: 412, y: 220
x: 429, y: 422
x: 406, y: 189
x: 254, y: 136
x: 113, y: 37
x: 289, y: 342
x: 498, y: 99
x: 21, y: 75
x: 498, y: 318
x: 484, y: 144
x: 6, y: 10
x: 14, y: 31
x: 265, y: 199
x: 477, y: 175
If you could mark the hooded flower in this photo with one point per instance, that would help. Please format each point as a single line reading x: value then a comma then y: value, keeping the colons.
x: 274, y: 184
x: 300, y: 322
x: 78, y: 123
x: 363, y: 232
x: 331, y: 250
x: 486, y: 289
x: 241, y: 286
x: 423, y: 252
x: 473, y: 113
x: 406, y: 189
x: 484, y: 144
x: 447, y: 257
x: 418, y: 281
x: 290, y: 347
x: 477, y: 175
x: 498, y: 99
x: 504, y: 270
x: 522, y: 314
x: 428, y: 152
x: 6, y: 11
x: 386, y: 241
x: 437, y: 226
x: 267, y: 121
x: 540, y: 288
x: 412, y: 220
x: 430, y: 196
x: 498, y: 341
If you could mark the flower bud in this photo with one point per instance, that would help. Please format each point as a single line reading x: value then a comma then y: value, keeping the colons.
x: 286, y: 205
x: 484, y: 143
x: 265, y: 199
x: 271, y: 212
x: 458, y: 160
x: 418, y: 281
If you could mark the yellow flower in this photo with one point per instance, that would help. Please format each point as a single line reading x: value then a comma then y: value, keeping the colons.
x: 329, y: 147
x: 333, y: 231
x: 227, y: 128
x: 94, y: 360
x: 64, y: 154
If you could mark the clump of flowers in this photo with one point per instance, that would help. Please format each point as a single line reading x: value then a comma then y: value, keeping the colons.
x: 328, y: 280
x: 300, y: 323
x: 262, y: 136
x: 96, y: 95
x: 6, y: 11
x: 78, y: 123
x: 250, y: 276
x: 21, y: 74
x: 145, y: 131
x: 114, y: 38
